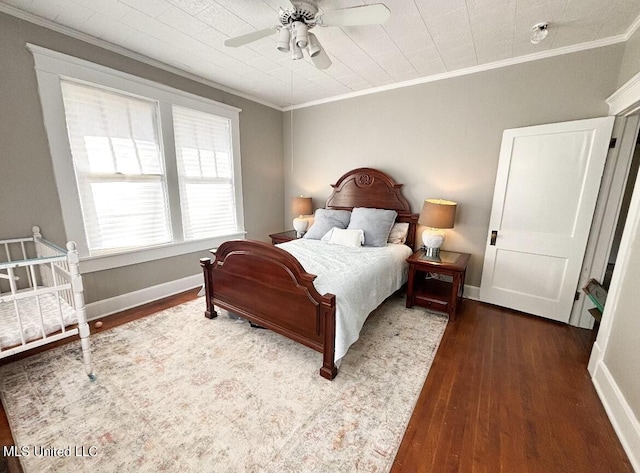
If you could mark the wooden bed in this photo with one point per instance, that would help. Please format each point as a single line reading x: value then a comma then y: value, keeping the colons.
x: 269, y: 287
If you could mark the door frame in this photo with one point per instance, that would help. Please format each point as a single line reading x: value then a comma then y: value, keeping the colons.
x: 624, y: 102
x: 606, y: 214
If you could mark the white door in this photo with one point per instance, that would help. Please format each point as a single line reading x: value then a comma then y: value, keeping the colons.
x: 546, y: 191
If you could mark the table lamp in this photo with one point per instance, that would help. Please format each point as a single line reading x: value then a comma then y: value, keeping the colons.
x: 301, y: 206
x: 436, y: 214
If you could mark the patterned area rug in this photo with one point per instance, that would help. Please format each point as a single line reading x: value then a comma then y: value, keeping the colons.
x: 179, y: 392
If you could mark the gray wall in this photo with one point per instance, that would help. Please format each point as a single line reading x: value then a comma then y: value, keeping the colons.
x: 442, y: 139
x: 631, y: 61
x: 28, y: 194
x: 622, y: 355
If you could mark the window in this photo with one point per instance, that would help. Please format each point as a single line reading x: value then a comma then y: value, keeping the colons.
x: 119, y: 169
x: 144, y: 171
x: 203, y: 152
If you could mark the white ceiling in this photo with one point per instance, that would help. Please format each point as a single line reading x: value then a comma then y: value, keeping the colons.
x: 422, y: 38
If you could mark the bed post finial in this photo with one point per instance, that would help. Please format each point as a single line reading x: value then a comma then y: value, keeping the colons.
x: 72, y: 254
x: 36, y: 231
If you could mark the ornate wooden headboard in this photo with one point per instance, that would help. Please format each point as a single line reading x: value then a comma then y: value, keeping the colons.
x: 367, y: 187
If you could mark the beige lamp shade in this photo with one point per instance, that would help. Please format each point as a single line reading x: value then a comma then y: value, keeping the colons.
x: 301, y: 206
x: 438, y: 213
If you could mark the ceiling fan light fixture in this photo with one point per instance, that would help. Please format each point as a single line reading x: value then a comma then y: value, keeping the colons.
x: 314, y: 46
x: 293, y: 34
x: 296, y: 52
x: 539, y: 32
x: 302, y: 34
x: 284, y: 38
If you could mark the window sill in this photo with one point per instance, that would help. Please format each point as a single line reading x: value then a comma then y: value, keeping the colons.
x: 91, y: 264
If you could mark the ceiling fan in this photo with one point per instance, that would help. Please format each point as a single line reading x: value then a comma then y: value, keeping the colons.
x: 296, y: 21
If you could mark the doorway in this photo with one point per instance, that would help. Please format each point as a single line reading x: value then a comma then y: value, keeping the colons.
x: 624, y: 210
x: 610, y: 216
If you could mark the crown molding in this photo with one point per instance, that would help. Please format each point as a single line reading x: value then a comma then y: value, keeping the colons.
x: 626, y: 100
x: 633, y: 28
x: 467, y: 71
x: 31, y: 18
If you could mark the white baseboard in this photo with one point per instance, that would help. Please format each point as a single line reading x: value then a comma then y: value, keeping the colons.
x: 594, y: 358
x: 471, y: 292
x: 105, y: 307
x: 620, y: 414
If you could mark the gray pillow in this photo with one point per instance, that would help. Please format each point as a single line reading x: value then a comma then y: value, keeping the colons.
x: 324, y: 220
x: 376, y: 224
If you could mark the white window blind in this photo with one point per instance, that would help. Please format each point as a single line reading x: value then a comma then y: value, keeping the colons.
x: 119, y: 168
x: 205, y: 173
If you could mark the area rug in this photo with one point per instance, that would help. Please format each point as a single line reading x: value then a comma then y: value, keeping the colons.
x: 178, y: 392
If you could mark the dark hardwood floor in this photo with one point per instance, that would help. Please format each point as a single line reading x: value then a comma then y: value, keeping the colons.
x: 507, y: 393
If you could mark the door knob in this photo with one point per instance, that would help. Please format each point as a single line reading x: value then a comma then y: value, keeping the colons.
x: 494, y: 236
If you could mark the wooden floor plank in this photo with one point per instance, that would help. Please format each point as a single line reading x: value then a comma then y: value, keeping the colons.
x: 507, y: 392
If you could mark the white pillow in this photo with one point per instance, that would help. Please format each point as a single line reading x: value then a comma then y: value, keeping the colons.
x: 327, y: 236
x: 353, y: 238
x: 398, y: 233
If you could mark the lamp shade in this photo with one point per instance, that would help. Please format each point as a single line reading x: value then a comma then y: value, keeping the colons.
x: 296, y: 52
x: 284, y: 38
x: 314, y: 46
x: 302, y: 35
x: 438, y: 213
x: 301, y: 206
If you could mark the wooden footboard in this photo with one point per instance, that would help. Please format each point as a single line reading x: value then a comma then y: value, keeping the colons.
x: 269, y: 287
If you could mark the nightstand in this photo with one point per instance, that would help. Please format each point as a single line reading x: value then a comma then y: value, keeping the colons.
x: 283, y: 237
x: 437, y: 283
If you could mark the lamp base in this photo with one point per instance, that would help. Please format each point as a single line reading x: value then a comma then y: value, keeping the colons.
x: 300, y: 224
x: 432, y: 252
x: 432, y: 238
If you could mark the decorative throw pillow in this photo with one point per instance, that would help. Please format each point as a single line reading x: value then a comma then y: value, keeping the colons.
x: 353, y: 238
x: 398, y: 233
x: 327, y: 236
x: 324, y: 220
x: 376, y: 224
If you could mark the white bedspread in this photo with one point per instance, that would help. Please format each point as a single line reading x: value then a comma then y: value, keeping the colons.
x: 10, y: 330
x: 361, y: 279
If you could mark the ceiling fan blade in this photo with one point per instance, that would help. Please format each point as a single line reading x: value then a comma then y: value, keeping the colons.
x: 248, y: 38
x: 321, y: 60
x: 375, y: 14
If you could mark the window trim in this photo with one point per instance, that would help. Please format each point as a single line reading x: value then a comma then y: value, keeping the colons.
x: 51, y: 67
